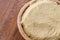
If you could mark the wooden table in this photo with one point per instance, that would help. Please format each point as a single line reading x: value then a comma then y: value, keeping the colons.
x: 9, y: 10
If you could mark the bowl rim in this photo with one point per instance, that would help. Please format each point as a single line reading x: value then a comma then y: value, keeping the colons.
x: 19, y: 19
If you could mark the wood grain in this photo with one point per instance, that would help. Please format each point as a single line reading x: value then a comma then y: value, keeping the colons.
x: 9, y: 10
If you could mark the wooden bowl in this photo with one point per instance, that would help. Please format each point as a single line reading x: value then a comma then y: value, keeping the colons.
x: 23, y: 9
x: 19, y: 20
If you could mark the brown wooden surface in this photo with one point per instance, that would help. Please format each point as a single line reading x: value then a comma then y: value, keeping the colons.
x: 9, y: 10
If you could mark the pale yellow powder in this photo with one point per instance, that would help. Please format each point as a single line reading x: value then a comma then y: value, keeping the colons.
x: 42, y: 21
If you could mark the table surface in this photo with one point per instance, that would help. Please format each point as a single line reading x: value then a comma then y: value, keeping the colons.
x: 9, y: 10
